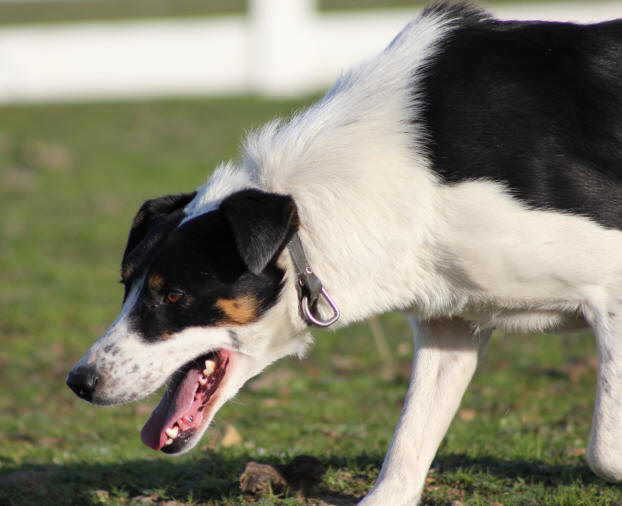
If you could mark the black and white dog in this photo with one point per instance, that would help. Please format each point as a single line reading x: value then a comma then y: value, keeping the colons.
x: 470, y: 175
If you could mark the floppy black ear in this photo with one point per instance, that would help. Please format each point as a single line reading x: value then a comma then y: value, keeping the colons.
x: 262, y: 223
x: 151, y: 214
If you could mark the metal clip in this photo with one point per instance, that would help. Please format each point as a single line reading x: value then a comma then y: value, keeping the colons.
x: 306, y: 310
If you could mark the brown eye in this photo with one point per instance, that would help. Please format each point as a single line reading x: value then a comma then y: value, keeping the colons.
x: 174, y: 296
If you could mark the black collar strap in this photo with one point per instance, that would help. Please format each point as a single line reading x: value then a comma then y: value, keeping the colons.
x: 309, y: 287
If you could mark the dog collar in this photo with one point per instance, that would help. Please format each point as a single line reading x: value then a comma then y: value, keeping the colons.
x: 309, y: 287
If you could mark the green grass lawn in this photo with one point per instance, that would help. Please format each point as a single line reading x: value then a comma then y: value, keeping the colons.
x: 71, y: 178
x: 61, y: 11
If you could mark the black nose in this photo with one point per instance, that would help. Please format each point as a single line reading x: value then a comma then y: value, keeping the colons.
x: 83, y: 381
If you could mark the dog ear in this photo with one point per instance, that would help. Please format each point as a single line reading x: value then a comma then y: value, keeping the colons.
x: 262, y: 223
x: 152, y: 214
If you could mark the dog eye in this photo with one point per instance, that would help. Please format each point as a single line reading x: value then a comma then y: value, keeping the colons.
x: 174, y: 296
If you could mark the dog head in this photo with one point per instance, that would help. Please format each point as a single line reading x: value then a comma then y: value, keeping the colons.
x: 203, y: 308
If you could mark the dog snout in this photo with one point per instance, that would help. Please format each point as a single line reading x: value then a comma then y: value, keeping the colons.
x: 83, y: 381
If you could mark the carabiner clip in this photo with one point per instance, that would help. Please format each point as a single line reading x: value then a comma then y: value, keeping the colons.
x: 306, y: 311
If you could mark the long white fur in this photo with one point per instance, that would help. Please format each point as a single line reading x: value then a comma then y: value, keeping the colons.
x: 383, y: 233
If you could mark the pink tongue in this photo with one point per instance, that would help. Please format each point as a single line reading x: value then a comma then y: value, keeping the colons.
x: 170, y: 409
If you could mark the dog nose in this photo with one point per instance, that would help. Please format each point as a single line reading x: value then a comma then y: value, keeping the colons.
x: 83, y: 381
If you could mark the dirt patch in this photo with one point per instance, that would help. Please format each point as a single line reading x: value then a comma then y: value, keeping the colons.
x: 297, y: 477
x: 47, y: 155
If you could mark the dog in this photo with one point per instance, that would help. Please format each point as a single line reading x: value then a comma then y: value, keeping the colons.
x: 470, y: 175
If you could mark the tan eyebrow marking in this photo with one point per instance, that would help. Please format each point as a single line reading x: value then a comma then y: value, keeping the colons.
x: 156, y: 281
x: 240, y: 310
x: 127, y: 272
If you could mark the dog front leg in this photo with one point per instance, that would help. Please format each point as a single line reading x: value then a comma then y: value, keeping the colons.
x: 446, y: 356
x: 604, y: 453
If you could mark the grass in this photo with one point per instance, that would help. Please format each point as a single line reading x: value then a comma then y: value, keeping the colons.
x: 71, y: 177
x: 62, y: 11
x: 56, y: 11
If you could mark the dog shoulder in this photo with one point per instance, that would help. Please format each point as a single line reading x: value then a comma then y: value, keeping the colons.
x: 533, y: 106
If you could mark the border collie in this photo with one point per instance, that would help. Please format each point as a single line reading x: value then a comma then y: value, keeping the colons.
x: 470, y: 175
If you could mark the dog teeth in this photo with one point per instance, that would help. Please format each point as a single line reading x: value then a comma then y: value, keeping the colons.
x: 210, y: 367
x: 202, y: 380
x: 169, y: 442
x: 172, y: 433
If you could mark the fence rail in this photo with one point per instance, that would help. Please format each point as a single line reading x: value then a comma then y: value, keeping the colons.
x: 281, y: 47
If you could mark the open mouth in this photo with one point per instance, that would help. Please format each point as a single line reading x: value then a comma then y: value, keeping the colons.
x: 186, y: 403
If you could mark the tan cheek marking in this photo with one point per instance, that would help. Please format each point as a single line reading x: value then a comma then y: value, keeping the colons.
x: 239, y: 311
x: 156, y: 282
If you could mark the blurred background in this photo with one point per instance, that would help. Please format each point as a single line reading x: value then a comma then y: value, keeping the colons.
x: 105, y: 103
x: 94, y: 49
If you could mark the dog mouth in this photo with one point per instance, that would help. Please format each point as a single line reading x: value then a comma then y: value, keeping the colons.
x: 186, y: 403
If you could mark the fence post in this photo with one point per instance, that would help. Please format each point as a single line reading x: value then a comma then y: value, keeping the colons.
x: 281, y: 52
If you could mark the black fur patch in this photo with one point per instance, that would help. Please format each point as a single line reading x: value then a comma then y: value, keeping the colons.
x: 201, y: 260
x: 535, y: 106
x: 154, y: 220
x: 462, y: 12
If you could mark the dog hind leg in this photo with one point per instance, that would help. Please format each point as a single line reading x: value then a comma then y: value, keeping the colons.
x: 446, y: 356
x: 604, y: 454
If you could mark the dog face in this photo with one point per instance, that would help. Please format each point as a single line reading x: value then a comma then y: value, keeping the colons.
x: 201, y: 307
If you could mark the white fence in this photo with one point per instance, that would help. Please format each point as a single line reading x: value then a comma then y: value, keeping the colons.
x: 282, y: 47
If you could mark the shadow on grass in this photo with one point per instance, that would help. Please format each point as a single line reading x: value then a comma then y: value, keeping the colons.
x: 215, y: 479
x: 530, y: 471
